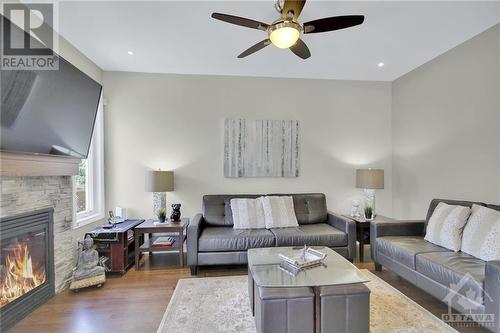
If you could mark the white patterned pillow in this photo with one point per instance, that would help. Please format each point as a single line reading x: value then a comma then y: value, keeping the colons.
x: 279, y: 212
x: 482, y: 234
x: 446, y: 225
x: 247, y: 214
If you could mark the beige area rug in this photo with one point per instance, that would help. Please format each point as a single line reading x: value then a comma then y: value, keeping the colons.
x: 221, y: 305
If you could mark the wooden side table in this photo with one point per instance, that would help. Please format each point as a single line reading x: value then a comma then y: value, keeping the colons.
x: 117, y: 244
x: 149, y: 227
x: 363, y: 231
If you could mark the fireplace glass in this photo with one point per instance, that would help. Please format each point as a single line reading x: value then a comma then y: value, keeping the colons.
x: 23, y: 261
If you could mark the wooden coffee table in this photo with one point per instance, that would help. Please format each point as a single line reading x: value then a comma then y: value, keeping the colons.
x: 174, y: 229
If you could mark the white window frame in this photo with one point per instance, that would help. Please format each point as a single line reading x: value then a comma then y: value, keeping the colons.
x: 94, y: 177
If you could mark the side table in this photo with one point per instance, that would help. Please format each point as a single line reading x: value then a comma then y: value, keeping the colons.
x: 117, y: 244
x: 149, y: 227
x: 363, y: 231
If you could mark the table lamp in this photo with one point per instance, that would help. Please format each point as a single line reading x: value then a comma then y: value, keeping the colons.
x: 370, y: 180
x: 159, y: 182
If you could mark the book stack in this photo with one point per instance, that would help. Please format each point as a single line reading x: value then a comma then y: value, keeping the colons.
x: 163, y: 241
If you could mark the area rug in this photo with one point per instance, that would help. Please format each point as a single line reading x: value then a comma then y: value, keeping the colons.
x: 221, y: 305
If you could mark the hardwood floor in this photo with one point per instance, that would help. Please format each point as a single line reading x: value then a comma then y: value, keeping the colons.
x: 136, y: 301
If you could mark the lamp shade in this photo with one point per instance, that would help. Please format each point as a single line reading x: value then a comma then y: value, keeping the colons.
x: 159, y: 181
x: 370, y: 178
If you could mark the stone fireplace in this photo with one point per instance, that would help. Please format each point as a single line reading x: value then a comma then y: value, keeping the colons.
x: 25, y: 195
x: 26, y: 264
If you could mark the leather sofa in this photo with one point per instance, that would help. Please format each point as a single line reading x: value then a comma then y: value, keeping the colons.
x: 466, y: 283
x: 211, y: 239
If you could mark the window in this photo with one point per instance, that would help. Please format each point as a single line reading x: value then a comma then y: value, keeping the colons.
x: 89, y: 183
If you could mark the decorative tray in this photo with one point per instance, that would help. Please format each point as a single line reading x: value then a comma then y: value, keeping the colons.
x: 304, y: 258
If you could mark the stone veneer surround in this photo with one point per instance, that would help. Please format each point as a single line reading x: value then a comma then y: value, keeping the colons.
x: 25, y: 194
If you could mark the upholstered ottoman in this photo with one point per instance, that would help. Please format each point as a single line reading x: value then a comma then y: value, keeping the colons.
x: 328, y: 298
x: 345, y: 308
x: 284, y: 310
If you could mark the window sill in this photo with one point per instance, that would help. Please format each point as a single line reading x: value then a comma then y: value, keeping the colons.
x: 83, y: 221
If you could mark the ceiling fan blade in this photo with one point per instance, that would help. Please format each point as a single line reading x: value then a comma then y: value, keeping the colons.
x: 252, y: 49
x: 240, y: 21
x: 294, y: 6
x: 300, y: 49
x: 332, y: 23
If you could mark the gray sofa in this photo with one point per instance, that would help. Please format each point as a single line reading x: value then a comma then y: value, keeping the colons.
x: 400, y: 247
x: 211, y: 239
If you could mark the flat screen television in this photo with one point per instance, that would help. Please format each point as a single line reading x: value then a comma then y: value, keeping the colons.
x: 48, y: 111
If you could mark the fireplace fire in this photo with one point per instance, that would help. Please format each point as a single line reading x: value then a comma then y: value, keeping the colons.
x: 21, y: 271
x: 26, y: 264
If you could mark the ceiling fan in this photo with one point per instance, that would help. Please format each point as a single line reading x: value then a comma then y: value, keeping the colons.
x: 285, y: 31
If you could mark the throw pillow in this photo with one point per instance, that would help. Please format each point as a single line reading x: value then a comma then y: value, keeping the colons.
x: 446, y: 225
x: 247, y: 214
x: 279, y: 212
x: 482, y: 234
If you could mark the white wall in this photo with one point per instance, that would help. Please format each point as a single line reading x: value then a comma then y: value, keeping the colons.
x: 175, y: 122
x: 446, y: 137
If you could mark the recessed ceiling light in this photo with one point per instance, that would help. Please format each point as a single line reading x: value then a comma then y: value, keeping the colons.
x: 380, y: 64
x: 130, y: 52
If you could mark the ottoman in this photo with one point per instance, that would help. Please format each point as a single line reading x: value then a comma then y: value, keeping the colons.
x: 345, y: 308
x: 284, y: 310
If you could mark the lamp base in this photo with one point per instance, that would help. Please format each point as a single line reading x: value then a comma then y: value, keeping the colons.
x: 370, y: 202
x: 159, y: 201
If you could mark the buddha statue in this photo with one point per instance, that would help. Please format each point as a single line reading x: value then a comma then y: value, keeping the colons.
x: 88, y: 262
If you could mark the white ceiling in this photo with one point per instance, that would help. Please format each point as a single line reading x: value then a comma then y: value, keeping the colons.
x: 181, y: 37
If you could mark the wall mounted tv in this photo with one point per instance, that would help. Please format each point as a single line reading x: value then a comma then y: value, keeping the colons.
x: 48, y: 111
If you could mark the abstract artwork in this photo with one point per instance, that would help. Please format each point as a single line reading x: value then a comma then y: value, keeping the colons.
x: 261, y: 148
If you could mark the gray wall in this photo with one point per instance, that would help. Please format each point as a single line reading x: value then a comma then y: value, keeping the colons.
x: 446, y: 137
x: 176, y: 122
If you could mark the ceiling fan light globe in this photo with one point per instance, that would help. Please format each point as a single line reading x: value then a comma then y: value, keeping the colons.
x: 284, y: 37
x: 284, y: 34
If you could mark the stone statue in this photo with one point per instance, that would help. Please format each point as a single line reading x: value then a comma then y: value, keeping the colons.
x: 88, y: 262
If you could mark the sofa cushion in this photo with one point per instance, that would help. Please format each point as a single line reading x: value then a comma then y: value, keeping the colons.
x: 482, y: 233
x: 310, y: 208
x: 278, y: 211
x: 320, y: 234
x: 214, y: 210
x: 435, y: 202
x: 450, y: 269
x: 403, y: 249
x: 446, y: 225
x: 213, y: 239
x: 247, y: 213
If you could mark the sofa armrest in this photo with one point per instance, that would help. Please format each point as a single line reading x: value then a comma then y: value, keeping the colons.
x: 349, y: 227
x: 492, y: 292
x: 397, y: 228
x: 193, y: 233
x: 393, y: 228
